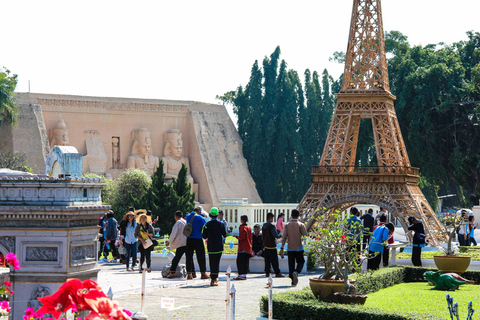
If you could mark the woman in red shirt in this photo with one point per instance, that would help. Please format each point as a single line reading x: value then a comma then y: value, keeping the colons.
x: 244, y: 248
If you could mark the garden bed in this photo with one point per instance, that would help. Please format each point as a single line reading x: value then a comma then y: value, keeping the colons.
x: 393, y: 306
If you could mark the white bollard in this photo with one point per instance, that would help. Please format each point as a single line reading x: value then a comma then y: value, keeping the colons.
x: 232, y: 295
x: 227, y: 300
x: 143, y: 289
x: 270, y: 298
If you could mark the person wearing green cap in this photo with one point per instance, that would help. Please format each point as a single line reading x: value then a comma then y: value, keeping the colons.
x: 214, y: 230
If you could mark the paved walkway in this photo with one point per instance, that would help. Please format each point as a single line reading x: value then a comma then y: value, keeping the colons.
x: 194, y: 299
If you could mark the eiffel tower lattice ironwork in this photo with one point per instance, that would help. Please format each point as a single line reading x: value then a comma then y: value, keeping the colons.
x: 336, y: 183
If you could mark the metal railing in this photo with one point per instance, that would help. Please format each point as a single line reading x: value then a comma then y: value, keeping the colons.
x: 365, y: 170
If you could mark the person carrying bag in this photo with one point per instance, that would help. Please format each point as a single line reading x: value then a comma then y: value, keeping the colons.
x: 144, y: 233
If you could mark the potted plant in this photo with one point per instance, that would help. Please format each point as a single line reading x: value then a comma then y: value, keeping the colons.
x: 450, y: 262
x: 333, y: 245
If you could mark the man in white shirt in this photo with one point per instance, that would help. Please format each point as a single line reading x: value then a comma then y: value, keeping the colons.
x: 177, y: 241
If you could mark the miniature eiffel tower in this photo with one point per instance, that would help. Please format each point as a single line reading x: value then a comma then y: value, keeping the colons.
x: 336, y: 183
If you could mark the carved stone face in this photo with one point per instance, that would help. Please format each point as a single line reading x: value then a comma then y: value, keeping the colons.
x: 144, y: 148
x: 177, y: 147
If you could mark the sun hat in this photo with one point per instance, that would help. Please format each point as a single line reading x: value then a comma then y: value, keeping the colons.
x: 125, y: 216
x: 149, y: 219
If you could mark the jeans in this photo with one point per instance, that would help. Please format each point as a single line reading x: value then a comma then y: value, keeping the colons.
x: 295, y: 257
x: 199, y: 248
x: 243, y: 260
x: 131, y: 253
x: 271, y: 258
x: 145, y: 255
x: 178, y: 255
x: 214, y: 260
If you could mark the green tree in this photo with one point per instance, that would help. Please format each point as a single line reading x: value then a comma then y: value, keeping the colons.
x: 164, y: 199
x: 8, y: 108
x: 14, y: 160
x: 281, y: 126
x: 118, y: 193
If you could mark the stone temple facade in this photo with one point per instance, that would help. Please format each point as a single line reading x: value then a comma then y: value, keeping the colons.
x: 117, y: 133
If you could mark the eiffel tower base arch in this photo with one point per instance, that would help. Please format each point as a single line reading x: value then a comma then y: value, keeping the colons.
x: 336, y: 192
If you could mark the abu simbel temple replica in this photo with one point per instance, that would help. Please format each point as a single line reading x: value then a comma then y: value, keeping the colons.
x: 113, y: 134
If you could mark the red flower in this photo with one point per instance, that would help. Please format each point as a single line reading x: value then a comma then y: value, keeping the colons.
x: 344, y: 238
x: 8, y: 283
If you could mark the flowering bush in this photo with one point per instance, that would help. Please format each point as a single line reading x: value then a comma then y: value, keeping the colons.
x: 451, y: 223
x: 334, y: 244
x: 6, y: 289
x: 77, y: 296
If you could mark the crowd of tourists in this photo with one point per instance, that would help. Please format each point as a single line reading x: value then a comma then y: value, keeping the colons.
x: 372, y: 236
x: 191, y: 232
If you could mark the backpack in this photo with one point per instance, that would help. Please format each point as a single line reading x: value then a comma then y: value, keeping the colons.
x: 187, y: 230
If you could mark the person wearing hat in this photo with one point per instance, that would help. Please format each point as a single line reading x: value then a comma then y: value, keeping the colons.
x: 418, y: 240
x: 213, y: 231
x: 195, y: 243
x: 143, y: 232
x: 128, y: 239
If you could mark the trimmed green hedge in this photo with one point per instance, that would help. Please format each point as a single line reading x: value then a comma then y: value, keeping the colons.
x: 382, y: 278
x: 302, y: 305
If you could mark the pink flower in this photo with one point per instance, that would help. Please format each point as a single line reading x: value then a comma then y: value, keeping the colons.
x: 8, y: 283
x: 29, y: 312
x: 11, y: 259
x: 74, y: 307
x: 127, y: 312
x: 5, y: 306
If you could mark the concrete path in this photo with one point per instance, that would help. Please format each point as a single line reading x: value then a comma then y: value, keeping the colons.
x: 193, y: 299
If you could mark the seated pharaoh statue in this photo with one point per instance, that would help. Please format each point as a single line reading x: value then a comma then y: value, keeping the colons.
x: 59, y: 135
x: 140, y: 156
x: 172, y: 156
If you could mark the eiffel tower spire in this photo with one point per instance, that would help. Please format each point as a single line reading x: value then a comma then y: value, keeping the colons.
x: 365, y: 61
x: 337, y: 183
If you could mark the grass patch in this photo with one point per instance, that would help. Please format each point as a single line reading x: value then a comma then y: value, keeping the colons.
x: 417, y: 297
x: 428, y: 255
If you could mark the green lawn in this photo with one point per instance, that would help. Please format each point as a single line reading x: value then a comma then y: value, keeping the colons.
x: 428, y: 255
x: 417, y: 297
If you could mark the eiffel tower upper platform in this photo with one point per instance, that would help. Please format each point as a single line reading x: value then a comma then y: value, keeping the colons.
x: 337, y: 183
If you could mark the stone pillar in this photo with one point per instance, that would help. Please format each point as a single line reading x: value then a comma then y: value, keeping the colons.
x: 51, y: 225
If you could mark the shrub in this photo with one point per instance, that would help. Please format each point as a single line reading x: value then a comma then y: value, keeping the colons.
x: 300, y: 305
x: 380, y: 279
x: 120, y: 193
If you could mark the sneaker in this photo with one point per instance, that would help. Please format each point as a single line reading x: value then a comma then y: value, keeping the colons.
x: 240, y: 278
x: 189, y: 276
x: 204, y: 276
x: 171, y: 275
x: 279, y: 275
x: 194, y: 275
x: 128, y: 269
x: 132, y: 268
x: 267, y: 275
x: 149, y: 270
x: 140, y: 270
x: 214, y: 283
x: 294, y: 278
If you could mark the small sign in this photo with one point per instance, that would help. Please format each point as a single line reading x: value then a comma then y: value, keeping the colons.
x: 167, y: 303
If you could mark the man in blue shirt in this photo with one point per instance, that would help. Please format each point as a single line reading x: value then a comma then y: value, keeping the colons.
x: 355, y: 229
x: 375, y: 248
x: 195, y: 243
